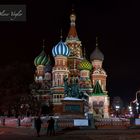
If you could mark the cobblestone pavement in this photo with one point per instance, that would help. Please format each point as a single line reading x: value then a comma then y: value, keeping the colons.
x: 106, y: 134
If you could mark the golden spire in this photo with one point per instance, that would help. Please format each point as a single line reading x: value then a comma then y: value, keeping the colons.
x: 72, y: 31
x: 72, y: 18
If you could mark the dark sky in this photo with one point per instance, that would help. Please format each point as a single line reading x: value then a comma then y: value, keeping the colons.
x: 116, y: 24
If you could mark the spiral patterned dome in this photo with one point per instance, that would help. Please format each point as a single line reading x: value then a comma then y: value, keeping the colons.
x: 61, y: 49
x: 85, y: 65
x: 41, y: 59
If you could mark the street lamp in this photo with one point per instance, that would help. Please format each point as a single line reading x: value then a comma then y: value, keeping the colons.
x: 130, y: 109
x: 136, y: 102
x: 137, y: 107
x: 117, y: 108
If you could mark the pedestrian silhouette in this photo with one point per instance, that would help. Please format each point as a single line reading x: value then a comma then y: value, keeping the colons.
x: 50, y: 129
x: 38, y: 123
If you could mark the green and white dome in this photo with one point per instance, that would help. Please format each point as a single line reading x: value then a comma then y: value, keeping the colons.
x: 42, y: 59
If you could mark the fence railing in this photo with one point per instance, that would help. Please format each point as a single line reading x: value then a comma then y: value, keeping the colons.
x: 60, y: 122
x: 29, y: 122
x: 112, y: 122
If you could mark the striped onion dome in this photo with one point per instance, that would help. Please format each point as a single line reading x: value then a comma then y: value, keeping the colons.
x: 61, y: 49
x: 42, y: 59
x: 85, y: 65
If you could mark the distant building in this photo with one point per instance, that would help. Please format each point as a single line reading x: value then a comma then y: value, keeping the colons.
x: 70, y: 62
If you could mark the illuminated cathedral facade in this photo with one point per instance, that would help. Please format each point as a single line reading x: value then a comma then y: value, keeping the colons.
x: 70, y: 62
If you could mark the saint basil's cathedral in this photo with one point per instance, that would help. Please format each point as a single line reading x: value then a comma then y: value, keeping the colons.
x: 70, y: 62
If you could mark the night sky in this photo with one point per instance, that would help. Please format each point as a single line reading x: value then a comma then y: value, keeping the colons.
x: 116, y: 24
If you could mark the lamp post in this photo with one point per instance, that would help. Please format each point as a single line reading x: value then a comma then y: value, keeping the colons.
x: 137, y: 107
x: 137, y: 104
x: 137, y: 95
x: 130, y: 110
x: 130, y: 107
x: 132, y: 120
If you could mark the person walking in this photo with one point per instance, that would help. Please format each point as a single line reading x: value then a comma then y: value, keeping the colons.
x: 38, y: 123
x: 50, y: 129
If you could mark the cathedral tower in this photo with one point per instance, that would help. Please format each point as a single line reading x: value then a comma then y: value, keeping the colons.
x: 74, y: 44
x: 41, y: 61
x: 99, y: 73
x: 98, y: 99
x: 85, y: 68
x: 60, y: 53
x: 41, y: 86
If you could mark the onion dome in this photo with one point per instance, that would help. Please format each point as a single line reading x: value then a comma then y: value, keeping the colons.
x: 61, y: 49
x: 42, y: 59
x: 85, y: 65
x: 97, y: 55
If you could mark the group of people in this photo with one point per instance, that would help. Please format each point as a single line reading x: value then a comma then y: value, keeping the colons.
x: 50, y: 128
